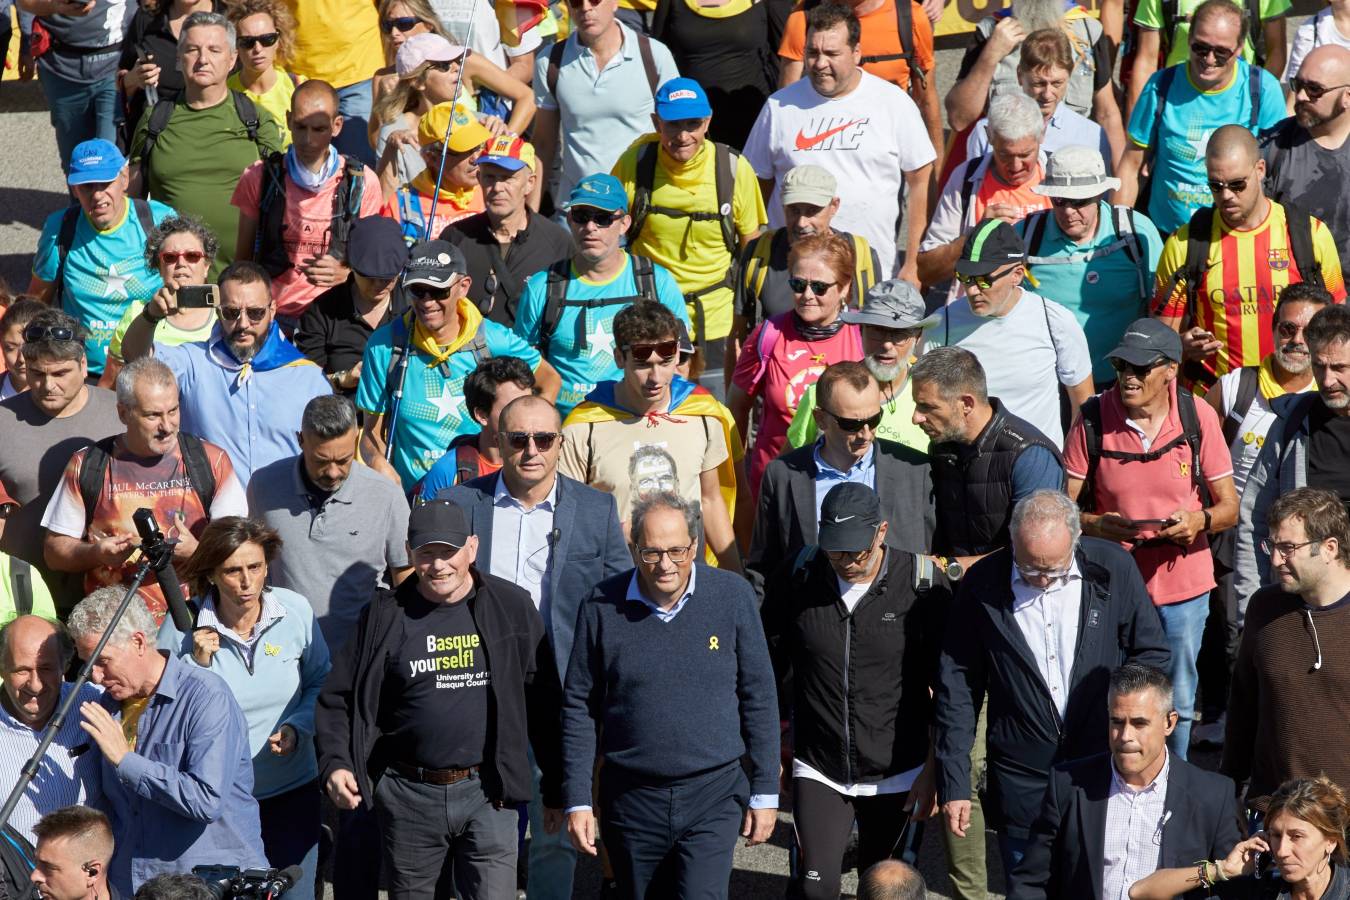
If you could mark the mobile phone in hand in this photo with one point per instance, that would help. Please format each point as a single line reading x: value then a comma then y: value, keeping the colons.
x: 198, y: 296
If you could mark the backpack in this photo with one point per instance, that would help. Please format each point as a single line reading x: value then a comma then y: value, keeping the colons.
x: 904, y: 26
x: 21, y: 585
x: 1165, y: 80
x: 1171, y: 17
x: 1248, y: 381
x: 757, y: 269
x: 267, y: 246
x: 555, y: 299
x: 162, y: 112
x: 1127, y: 239
x: 1190, y: 435
x: 478, y: 347
x: 769, y: 337
x: 65, y: 239
x: 17, y: 861
x: 727, y: 160
x: 555, y: 56
x: 94, y: 467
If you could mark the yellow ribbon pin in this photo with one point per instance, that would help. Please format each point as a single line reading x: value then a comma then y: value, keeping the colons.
x: 271, y: 649
x: 712, y: 643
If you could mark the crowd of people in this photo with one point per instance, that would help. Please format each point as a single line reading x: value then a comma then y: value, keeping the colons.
x: 593, y: 429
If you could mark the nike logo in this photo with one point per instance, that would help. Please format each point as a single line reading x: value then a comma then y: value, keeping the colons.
x: 792, y: 357
x: 838, y: 519
x: 806, y: 143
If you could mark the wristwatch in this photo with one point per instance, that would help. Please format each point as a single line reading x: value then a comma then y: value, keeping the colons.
x: 951, y: 567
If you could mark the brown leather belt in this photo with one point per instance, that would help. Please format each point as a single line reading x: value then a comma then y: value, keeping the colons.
x: 433, y: 776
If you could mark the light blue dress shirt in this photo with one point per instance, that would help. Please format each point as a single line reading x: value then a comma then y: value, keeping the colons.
x: 864, y: 471
x: 522, y: 542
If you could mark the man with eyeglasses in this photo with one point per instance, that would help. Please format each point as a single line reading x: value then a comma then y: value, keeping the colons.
x: 1222, y: 273
x: 1182, y: 106
x: 568, y: 309
x: 558, y: 539
x: 848, y: 451
x: 90, y: 258
x: 1027, y: 344
x: 1150, y: 467
x: 1305, y: 155
x: 1292, y: 675
x: 1035, y: 632
x: 854, y: 628
x: 413, y: 369
x: 674, y: 791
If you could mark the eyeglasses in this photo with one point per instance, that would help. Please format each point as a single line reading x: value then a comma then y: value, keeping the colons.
x: 664, y: 350
x: 799, y: 285
x: 1286, y: 549
x: 1236, y: 185
x: 1072, y: 202
x: 1288, y: 329
x: 983, y: 282
x: 584, y: 215
x: 34, y: 333
x: 402, y: 23
x: 1128, y: 368
x: 543, y: 440
x: 652, y: 555
x: 248, y: 42
x: 1221, y: 54
x: 255, y: 313
x: 427, y: 292
x: 1053, y: 576
x: 856, y: 556
x: 442, y: 65
x: 1314, y: 90
x: 171, y: 257
x: 853, y: 426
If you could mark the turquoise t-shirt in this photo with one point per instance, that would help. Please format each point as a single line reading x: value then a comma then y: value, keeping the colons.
x: 1190, y: 116
x: 432, y: 412
x: 105, y: 273
x: 582, y: 371
x: 1105, y: 293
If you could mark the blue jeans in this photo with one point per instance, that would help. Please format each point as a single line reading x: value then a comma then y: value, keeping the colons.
x: 79, y: 112
x: 354, y: 105
x: 1011, y: 850
x: 1184, y: 623
x: 553, y: 859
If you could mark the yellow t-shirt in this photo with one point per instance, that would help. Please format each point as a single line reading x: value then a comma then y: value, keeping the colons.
x: 337, y: 41
x: 277, y: 101
x: 694, y: 252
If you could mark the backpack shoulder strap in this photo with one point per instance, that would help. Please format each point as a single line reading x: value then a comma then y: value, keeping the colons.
x: 644, y: 276
x: 727, y: 160
x: 555, y: 55
x: 144, y: 216
x: 1035, y: 232
x: 248, y: 114
x: 1091, y: 411
x: 198, y: 467
x: 1254, y: 90
x: 21, y: 585
x: 864, y: 275
x: 65, y: 239
x: 769, y: 336
x: 346, y: 205
x: 1197, y: 257
x: 1190, y: 426
x: 1248, y: 381
x: 801, y: 565
x: 648, y: 61
x: 1256, y: 34
x: 555, y: 294
x: 644, y: 182
x: 968, y: 186
x: 1169, y: 21
x: 1300, y: 225
x: 93, y: 469
x: 160, y: 114
x: 904, y: 23
x: 1165, y: 80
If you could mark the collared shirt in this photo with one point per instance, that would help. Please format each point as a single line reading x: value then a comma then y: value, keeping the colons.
x: 332, y: 334
x: 1135, y: 818
x: 1066, y: 127
x: 271, y: 612
x: 864, y: 471
x: 69, y: 774
x: 533, y: 248
x: 636, y: 595
x: 1048, y: 619
x: 522, y: 542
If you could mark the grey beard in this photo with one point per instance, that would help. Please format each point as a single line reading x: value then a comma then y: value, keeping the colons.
x: 883, y: 374
x: 244, y: 354
x: 1036, y: 15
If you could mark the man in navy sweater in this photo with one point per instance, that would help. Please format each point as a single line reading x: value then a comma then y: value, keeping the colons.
x: 670, y: 665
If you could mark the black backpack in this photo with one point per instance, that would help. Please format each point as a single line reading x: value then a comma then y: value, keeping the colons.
x: 1127, y: 239
x: 17, y: 861
x: 267, y: 246
x: 555, y: 299
x: 95, y: 466
x: 1249, y: 380
x: 162, y: 112
x: 65, y: 238
x: 1190, y: 435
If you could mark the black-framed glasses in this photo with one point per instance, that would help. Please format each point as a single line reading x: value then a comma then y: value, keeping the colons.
x: 853, y: 426
x: 543, y: 440
x: 401, y: 23
x: 248, y: 42
x: 983, y: 282
x: 664, y: 350
x: 34, y: 333
x: 585, y: 215
x: 428, y: 292
x: 1314, y: 90
x: 799, y: 285
x: 1286, y: 549
x: 1221, y: 55
x: 652, y: 555
x: 1141, y: 372
x: 1072, y: 202
x: 232, y: 313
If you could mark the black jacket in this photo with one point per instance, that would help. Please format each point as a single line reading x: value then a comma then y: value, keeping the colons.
x: 525, y: 699
x: 985, y: 659
x: 859, y: 682
x: 1068, y: 840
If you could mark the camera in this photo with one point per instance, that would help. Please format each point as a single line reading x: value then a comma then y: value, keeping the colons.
x: 227, y: 882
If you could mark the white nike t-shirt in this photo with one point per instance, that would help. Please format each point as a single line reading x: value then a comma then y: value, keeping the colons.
x: 867, y: 139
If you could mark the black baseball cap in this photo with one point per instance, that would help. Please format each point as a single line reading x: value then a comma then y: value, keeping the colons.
x: 1145, y: 341
x: 849, y: 518
x: 436, y: 263
x: 438, y: 522
x: 991, y: 246
x: 375, y: 247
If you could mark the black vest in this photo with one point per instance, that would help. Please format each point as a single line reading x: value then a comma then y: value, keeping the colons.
x: 972, y: 484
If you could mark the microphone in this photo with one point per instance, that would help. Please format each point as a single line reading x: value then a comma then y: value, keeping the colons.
x: 160, y: 553
x: 284, y: 880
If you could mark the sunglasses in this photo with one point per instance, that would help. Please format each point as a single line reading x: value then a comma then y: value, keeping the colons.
x: 1221, y: 54
x: 664, y: 350
x: 1127, y: 368
x: 1072, y: 203
x: 248, y: 42
x: 427, y: 292
x: 1288, y: 329
x: 799, y: 285
x: 402, y: 23
x: 853, y: 426
x: 983, y: 282
x: 255, y: 313
x: 1312, y: 88
x: 171, y: 257
x: 1237, y: 185
x: 651, y: 555
x: 34, y: 333
x: 584, y: 215
x: 543, y: 440
x: 442, y: 65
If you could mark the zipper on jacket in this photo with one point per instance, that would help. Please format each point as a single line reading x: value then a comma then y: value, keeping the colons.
x: 848, y: 715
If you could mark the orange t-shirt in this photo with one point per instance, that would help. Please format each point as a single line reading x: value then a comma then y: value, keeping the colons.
x: 880, y: 37
x: 994, y: 190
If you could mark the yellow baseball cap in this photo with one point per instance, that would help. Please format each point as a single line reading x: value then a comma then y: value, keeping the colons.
x: 467, y: 134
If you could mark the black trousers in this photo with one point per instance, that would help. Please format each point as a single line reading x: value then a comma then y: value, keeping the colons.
x: 824, y: 822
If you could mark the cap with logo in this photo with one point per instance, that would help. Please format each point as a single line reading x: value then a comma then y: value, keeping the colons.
x: 95, y: 161
x: 467, y: 134
x: 438, y: 522
x: 1146, y: 341
x: 375, y: 247
x: 889, y: 304
x: 600, y: 191
x: 509, y: 151
x: 1076, y: 173
x: 436, y: 263
x: 849, y: 518
x: 811, y: 185
x: 424, y: 48
x: 991, y: 246
x: 682, y: 98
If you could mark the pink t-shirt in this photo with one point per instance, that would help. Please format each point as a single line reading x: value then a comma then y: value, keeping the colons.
x: 304, y: 231
x: 1155, y: 490
x: 792, y: 366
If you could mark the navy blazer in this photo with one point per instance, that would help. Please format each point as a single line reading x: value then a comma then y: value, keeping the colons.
x: 589, y: 548
x: 1068, y: 840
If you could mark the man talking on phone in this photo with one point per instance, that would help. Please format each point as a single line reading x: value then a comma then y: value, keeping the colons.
x: 1150, y: 468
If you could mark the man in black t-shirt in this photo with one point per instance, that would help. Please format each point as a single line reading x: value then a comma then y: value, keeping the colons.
x: 450, y: 645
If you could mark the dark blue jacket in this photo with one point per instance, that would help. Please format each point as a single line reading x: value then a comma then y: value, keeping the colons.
x: 590, y: 547
x: 986, y: 660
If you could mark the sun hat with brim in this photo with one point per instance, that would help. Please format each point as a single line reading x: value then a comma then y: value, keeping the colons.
x: 991, y: 246
x: 424, y: 48
x: 1076, y: 173
x: 1145, y: 341
x: 889, y: 304
x: 467, y: 134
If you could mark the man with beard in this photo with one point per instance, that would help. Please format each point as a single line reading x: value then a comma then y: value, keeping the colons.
x: 1306, y: 161
x: 245, y: 387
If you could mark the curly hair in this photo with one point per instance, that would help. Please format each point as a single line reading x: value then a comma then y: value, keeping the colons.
x: 154, y: 242
x: 239, y: 10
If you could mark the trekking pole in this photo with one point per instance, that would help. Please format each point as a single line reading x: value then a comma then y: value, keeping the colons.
x: 450, y: 125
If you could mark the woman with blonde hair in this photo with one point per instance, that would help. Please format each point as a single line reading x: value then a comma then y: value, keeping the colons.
x: 266, y: 37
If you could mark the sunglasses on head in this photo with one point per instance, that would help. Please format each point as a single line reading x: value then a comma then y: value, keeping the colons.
x: 427, y: 292
x: 1202, y: 50
x: 1072, y: 202
x: 255, y: 313
x: 983, y: 282
x: 543, y: 440
x: 664, y: 350
x: 799, y: 285
x: 1314, y: 90
x: 584, y: 215
x: 853, y: 426
x: 34, y: 333
x: 171, y: 257
x: 248, y: 42
x: 402, y: 23
x: 1128, y: 368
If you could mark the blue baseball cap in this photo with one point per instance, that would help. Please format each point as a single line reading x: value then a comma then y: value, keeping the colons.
x: 601, y: 191
x: 681, y: 98
x: 95, y: 161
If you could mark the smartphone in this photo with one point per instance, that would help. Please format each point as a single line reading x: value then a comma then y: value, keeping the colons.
x: 1147, y: 523
x: 198, y: 296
